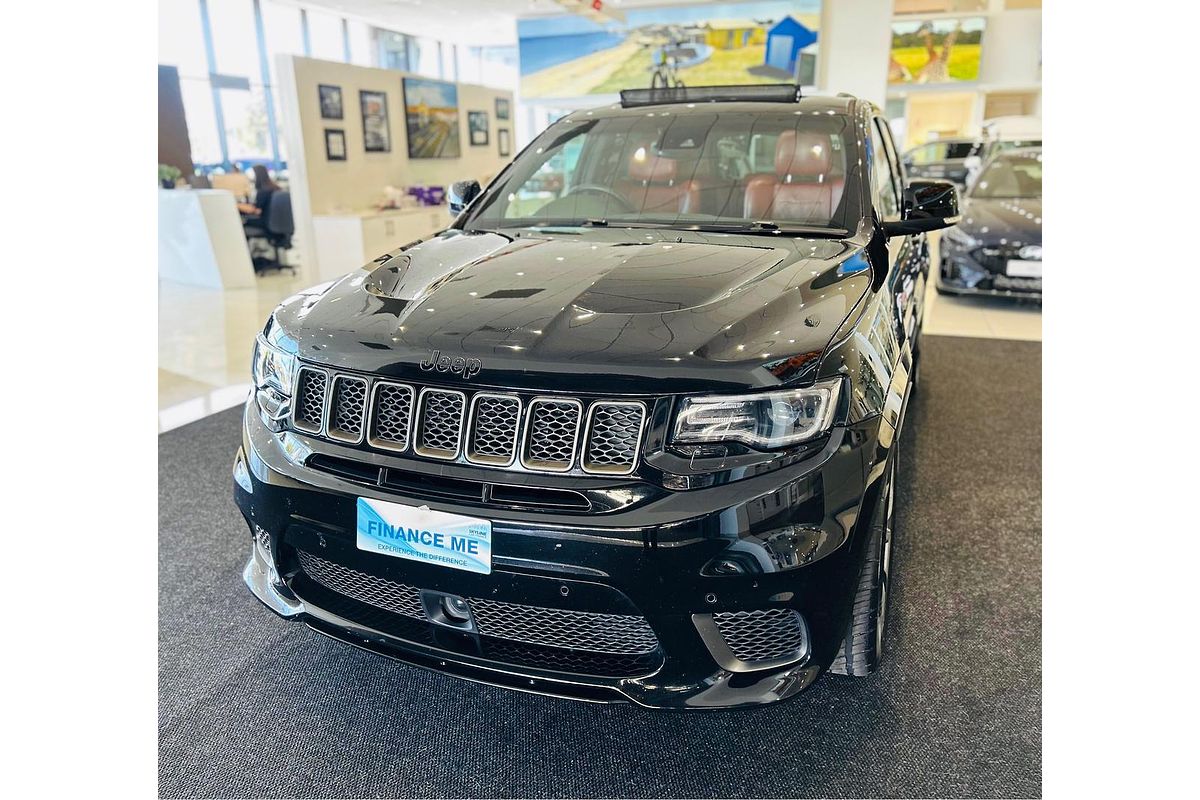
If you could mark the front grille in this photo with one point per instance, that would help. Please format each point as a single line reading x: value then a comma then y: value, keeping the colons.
x: 767, y: 635
x: 310, y: 400
x: 614, y: 432
x: 391, y: 416
x: 577, y: 631
x: 553, y: 428
x: 347, y: 408
x: 440, y: 425
x: 495, y: 420
x: 501, y: 430
x: 572, y: 630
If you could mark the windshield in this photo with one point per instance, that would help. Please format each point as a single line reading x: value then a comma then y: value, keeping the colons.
x: 1010, y: 176
x: 723, y: 171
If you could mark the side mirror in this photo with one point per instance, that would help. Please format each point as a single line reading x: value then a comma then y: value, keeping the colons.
x: 461, y: 194
x: 928, y: 206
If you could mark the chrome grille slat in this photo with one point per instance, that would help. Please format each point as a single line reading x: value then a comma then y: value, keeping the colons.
x: 551, y: 432
x: 763, y: 635
x: 614, y: 435
x: 391, y: 416
x: 308, y: 414
x: 347, y: 408
x: 492, y: 430
x: 439, y: 423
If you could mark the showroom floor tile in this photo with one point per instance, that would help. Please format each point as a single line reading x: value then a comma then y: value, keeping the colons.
x: 205, y: 343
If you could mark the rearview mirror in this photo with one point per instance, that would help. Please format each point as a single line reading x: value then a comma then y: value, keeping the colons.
x: 461, y: 194
x: 928, y: 206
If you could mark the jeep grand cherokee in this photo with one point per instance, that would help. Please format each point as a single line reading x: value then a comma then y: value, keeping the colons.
x: 630, y: 437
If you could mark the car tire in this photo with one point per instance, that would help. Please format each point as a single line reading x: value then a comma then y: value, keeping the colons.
x: 861, y: 651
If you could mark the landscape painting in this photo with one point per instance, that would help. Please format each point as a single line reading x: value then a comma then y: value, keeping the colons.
x: 936, y: 51
x: 431, y: 118
x: 769, y: 41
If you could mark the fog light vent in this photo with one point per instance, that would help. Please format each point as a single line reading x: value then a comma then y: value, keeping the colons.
x: 264, y: 539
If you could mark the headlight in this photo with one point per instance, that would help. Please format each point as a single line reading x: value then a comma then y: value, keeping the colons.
x: 766, y: 421
x: 273, y: 367
x: 274, y: 373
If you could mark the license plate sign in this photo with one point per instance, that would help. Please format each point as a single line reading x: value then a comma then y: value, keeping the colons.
x: 421, y: 534
x: 1024, y: 269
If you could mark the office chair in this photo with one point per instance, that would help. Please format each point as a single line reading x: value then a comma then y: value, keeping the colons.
x: 277, y: 229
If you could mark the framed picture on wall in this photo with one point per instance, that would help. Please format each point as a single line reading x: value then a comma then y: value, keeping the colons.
x: 335, y: 144
x: 431, y: 118
x: 502, y: 109
x: 477, y: 127
x: 505, y: 144
x: 331, y: 101
x: 377, y: 136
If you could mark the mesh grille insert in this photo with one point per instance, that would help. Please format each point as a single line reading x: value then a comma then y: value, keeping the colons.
x: 552, y: 429
x: 310, y: 400
x: 441, y: 423
x: 573, y: 630
x: 397, y: 598
x: 348, y: 408
x: 494, y: 423
x: 613, y: 435
x: 766, y: 635
x: 391, y: 416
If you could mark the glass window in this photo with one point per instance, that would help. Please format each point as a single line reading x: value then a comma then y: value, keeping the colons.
x: 686, y: 169
x: 393, y: 50
x: 1010, y: 176
x: 235, y: 43
x: 282, y: 30
x: 362, y: 50
x: 499, y: 67
x: 883, y: 187
x: 247, y: 135
x: 181, y: 38
x: 201, y: 121
x: 325, y: 36
x: 424, y: 52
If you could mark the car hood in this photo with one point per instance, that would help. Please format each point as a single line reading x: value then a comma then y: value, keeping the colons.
x: 610, y: 311
x: 1017, y: 220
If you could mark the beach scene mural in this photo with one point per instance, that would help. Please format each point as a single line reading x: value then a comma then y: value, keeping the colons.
x: 769, y: 41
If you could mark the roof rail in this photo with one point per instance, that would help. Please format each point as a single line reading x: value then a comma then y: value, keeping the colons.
x: 762, y: 93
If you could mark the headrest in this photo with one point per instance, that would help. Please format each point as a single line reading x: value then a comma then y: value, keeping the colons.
x: 803, y: 155
x: 646, y: 166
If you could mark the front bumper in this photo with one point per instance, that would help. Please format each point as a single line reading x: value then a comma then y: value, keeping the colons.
x: 959, y: 273
x: 643, y: 561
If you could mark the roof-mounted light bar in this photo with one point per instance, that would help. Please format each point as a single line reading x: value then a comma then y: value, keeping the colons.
x: 763, y: 93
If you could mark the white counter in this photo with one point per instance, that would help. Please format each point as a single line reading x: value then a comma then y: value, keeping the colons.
x: 201, y: 241
x: 345, y: 242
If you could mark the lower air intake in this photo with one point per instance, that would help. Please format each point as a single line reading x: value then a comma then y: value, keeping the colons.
x: 756, y: 637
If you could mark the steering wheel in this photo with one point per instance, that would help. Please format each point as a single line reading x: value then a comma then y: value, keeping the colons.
x: 604, y: 190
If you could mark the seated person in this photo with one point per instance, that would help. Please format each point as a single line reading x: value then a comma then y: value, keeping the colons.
x: 252, y: 214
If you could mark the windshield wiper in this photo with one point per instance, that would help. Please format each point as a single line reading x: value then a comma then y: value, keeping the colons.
x: 765, y: 227
x: 595, y: 223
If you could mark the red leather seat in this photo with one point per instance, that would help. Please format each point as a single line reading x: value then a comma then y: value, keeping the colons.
x: 651, y: 186
x: 802, y: 188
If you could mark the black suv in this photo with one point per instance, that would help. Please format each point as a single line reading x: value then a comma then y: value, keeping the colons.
x: 629, y: 433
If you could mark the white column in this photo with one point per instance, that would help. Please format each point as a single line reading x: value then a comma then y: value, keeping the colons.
x: 854, y: 42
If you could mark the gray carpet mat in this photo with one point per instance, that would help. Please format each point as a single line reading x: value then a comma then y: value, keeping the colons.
x: 251, y: 705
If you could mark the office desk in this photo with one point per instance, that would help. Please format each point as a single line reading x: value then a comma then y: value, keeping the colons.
x: 201, y: 241
x: 345, y: 242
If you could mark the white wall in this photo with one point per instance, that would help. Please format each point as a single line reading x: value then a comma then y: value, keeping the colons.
x: 855, y: 38
x: 358, y: 182
x: 1012, y: 49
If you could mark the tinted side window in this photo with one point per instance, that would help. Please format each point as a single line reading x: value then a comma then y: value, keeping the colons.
x: 883, y: 188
